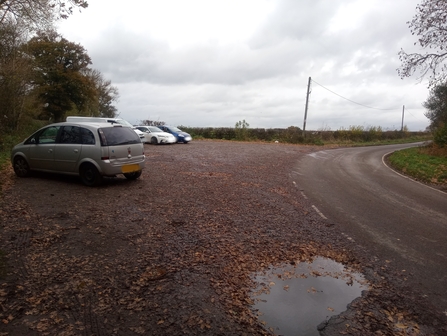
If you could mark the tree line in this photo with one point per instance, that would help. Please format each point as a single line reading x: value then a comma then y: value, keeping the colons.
x: 295, y: 135
x: 44, y: 76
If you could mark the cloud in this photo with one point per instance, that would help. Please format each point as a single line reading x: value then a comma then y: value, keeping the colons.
x: 202, y: 63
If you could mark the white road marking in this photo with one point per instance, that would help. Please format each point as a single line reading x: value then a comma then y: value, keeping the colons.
x: 319, y: 212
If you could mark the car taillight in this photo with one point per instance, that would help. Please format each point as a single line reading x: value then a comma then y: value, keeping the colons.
x: 104, y: 158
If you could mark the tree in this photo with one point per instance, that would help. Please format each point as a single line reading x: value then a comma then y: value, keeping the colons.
x: 15, y: 74
x: 436, y: 106
x: 148, y: 122
x: 58, y: 79
x: 241, y: 129
x: 38, y: 13
x: 107, y: 94
x: 101, y: 104
x: 430, y: 24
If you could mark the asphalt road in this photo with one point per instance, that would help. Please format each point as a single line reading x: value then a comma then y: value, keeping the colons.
x: 398, y: 220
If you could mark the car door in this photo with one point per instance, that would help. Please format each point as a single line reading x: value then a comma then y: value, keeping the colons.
x: 67, y: 149
x: 41, y: 149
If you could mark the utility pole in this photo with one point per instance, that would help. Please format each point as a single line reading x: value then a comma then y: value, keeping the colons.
x: 403, y: 113
x: 307, y: 104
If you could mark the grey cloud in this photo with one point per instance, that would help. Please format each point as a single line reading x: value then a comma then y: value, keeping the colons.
x: 264, y: 79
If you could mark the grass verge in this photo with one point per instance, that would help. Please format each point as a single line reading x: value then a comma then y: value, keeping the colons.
x: 426, y: 164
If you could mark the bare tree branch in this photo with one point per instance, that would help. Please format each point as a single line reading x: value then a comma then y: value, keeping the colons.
x: 38, y: 13
x: 430, y: 25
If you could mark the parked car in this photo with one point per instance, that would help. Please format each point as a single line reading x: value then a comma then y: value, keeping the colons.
x: 107, y: 120
x: 155, y: 136
x: 178, y: 133
x: 90, y: 150
x: 141, y: 135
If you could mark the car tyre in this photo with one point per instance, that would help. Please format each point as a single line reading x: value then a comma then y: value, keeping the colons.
x: 154, y: 141
x: 21, y: 167
x: 133, y: 176
x: 90, y: 176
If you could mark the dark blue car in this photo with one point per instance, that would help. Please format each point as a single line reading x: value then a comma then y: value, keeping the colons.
x: 178, y: 133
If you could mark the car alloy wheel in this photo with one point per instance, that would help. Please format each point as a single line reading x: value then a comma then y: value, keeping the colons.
x: 21, y: 167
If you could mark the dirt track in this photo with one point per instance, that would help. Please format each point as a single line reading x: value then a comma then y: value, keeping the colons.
x: 172, y: 253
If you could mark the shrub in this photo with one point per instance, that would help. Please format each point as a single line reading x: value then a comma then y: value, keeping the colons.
x: 440, y: 136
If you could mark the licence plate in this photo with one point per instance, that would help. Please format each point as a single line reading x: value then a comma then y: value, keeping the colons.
x: 130, y: 168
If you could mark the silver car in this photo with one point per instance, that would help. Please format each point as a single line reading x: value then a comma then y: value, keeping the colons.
x: 155, y: 136
x: 90, y: 150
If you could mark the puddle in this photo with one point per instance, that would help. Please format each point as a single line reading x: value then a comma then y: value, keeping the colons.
x: 295, y: 299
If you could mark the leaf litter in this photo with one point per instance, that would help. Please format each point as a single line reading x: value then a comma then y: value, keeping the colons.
x: 172, y: 253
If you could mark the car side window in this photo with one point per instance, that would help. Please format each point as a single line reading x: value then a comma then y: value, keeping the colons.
x: 48, y: 135
x: 87, y: 136
x: 70, y: 135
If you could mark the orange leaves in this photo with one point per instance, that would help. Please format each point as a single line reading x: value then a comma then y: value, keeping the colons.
x: 8, y: 319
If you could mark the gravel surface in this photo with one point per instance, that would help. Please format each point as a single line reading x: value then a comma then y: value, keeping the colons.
x: 173, y: 252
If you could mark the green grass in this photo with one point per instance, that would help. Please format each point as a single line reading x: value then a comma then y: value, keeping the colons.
x: 8, y: 138
x: 384, y: 142
x: 427, y: 164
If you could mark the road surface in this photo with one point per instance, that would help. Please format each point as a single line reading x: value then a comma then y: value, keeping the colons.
x: 400, y: 221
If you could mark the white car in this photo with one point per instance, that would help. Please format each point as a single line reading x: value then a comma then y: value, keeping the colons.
x: 141, y: 135
x: 106, y: 120
x: 155, y: 136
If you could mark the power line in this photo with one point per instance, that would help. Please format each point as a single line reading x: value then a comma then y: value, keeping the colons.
x: 374, y: 108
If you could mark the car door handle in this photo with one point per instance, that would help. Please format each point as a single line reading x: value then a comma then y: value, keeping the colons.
x: 50, y: 151
x: 76, y: 150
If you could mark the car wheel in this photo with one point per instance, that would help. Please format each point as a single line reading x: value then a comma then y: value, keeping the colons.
x: 90, y: 176
x: 154, y: 141
x: 21, y: 167
x: 133, y: 176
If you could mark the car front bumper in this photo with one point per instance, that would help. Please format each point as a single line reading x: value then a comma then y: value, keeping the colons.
x: 184, y: 139
x: 169, y: 140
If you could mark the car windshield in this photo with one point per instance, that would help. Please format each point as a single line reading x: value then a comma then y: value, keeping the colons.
x: 115, y: 136
x: 154, y: 129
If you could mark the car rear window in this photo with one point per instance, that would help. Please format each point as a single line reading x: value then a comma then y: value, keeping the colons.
x: 115, y: 136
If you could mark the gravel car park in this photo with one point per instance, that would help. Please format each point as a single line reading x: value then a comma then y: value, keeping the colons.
x: 174, y: 252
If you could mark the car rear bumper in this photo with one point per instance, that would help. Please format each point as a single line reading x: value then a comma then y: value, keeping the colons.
x: 111, y: 169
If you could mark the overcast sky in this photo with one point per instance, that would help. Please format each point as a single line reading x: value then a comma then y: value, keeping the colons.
x: 203, y: 63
